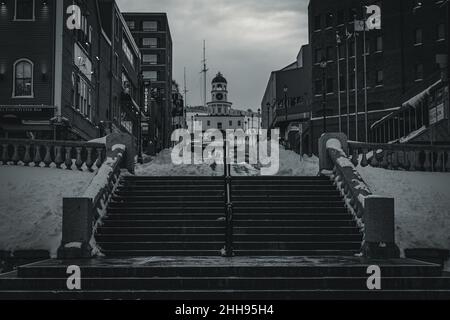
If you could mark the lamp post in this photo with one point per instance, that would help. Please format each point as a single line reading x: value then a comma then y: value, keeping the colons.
x: 259, y: 119
x: 323, y: 65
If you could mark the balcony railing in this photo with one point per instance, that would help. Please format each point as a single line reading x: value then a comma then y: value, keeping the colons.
x: 60, y: 154
x: 408, y: 157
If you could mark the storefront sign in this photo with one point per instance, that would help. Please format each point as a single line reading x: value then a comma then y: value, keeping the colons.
x: 31, y: 112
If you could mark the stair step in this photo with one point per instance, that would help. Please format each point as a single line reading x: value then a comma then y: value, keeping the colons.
x: 228, y: 283
x: 221, y: 295
x: 238, y: 245
x: 257, y: 211
x: 219, y: 229
x: 322, y: 224
x: 220, y: 236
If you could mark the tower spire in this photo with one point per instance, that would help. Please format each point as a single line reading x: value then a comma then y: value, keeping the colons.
x: 204, y: 71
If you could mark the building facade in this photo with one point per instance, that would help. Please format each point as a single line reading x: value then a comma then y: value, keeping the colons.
x: 400, y: 60
x: 288, y: 96
x: 151, y: 32
x: 67, y: 75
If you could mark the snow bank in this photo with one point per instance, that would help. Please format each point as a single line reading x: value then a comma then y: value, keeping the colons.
x: 31, y: 205
x: 422, y: 205
x: 291, y: 164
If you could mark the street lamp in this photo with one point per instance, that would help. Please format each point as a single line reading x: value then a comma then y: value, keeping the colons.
x: 259, y: 119
x: 323, y: 65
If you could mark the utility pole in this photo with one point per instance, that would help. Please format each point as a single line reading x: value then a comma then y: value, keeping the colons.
x: 204, y: 71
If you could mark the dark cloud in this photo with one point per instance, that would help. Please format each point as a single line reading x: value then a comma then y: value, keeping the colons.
x: 246, y: 40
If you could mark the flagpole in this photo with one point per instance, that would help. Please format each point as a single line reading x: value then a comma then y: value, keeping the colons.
x: 347, y: 87
x: 338, y: 42
x: 365, y: 80
x: 356, y: 80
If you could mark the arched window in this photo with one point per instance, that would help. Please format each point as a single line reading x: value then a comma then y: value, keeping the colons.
x: 23, y: 79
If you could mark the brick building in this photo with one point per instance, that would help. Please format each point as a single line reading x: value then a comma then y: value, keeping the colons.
x: 151, y: 32
x: 401, y: 58
x: 58, y: 82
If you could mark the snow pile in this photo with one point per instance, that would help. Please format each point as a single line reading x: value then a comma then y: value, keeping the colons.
x: 291, y: 164
x: 162, y: 165
x: 422, y: 205
x: 31, y: 205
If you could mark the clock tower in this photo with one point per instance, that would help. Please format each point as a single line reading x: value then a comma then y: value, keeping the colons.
x: 219, y: 104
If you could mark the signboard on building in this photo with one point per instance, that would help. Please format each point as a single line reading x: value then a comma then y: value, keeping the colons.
x: 437, y: 109
x: 30, y: 112
x: 82, y: 61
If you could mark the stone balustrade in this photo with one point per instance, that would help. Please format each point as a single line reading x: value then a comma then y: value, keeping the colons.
x: 59, y: 154
x: 401, y: 156
x: 375, y: 214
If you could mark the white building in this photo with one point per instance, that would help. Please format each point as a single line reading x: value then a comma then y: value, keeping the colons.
x: 220, y: 114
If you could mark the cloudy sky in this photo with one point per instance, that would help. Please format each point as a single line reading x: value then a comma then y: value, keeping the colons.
x: 246, y: 40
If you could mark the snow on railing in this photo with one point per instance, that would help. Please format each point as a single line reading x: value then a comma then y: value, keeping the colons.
x: 374, y: 214
x: 59, y: 154
x: 401, y: 156
x: 82, y: 216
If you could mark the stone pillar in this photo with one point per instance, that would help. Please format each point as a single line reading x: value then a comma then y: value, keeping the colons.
x: 325, y: 162
x: 126, y: 140
x: 379, y: 228
x: 77, y: 228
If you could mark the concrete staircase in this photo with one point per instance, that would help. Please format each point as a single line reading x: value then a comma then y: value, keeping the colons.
x: 293, y: 239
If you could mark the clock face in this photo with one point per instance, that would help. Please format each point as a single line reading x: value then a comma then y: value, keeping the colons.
x: 219, y: 96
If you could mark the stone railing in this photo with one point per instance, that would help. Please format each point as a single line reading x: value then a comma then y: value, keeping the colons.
x: 82, y: 215
x: 374, y: 214
x: 401, y: 156
x: 59, y: 154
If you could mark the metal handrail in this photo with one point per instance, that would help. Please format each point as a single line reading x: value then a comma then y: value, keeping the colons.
x: 228, y: 203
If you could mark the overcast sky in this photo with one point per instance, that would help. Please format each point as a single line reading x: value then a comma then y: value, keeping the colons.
x: 246, y: 40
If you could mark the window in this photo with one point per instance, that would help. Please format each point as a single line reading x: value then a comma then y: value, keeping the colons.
x: 342, y: 82
x: 230, y: 123
x: 329, y: 20
x: 127, y: 51
x: 441, y: 32
x: 150, y: 26
x: 340, y: 17
x: 341, y: 51
x: 24, y: 10
x: 239, y: 123
x: 330, y: 51
x: 418, y: 37
x: 150, y: 75
x: 23, y: 79
x: 131, y: 25
x: 219, y: 126
x: 150, y: 59
x: 209, y: 123
x: 351, y: 48
x: 318, y: 56
x: 419, y: 72
x: 219, y: 110
x: 318, y: 87
x: 83, y: 100
x: 317, y: 23
x: 379, y: 44
x: 367, y: 48
x: 150, y: 42
x: 379, y: 78
x: 330, y: 85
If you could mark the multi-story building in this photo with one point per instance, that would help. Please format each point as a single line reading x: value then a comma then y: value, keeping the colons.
x: 178, y: 110
x: 67, y: 75
x: 400, y: 60
x: 152, y: 34
x: 288, y: 95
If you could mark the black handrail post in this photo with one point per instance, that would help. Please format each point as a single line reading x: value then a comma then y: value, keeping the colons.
x: 228, y: 202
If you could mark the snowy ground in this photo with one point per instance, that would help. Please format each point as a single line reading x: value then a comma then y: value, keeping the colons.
x: 290, y: 165
x: 422, y: 205
x: 31, y: 205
